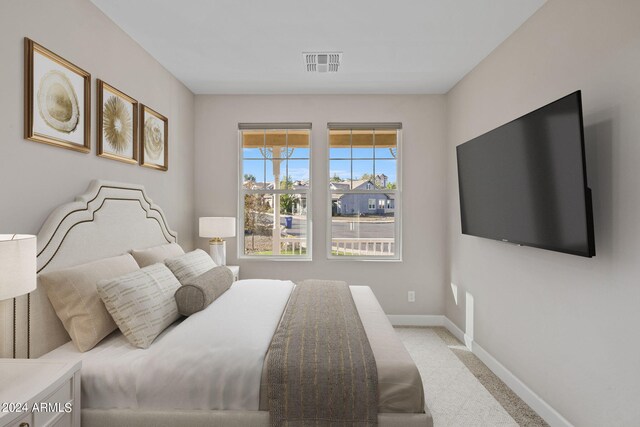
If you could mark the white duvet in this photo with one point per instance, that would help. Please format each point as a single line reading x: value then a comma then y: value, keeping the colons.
x: 211, y: 360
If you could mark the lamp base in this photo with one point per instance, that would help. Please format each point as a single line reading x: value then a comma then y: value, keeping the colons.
x: 218, y: 252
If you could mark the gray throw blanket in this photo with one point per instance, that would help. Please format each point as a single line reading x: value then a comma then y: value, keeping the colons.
x: 321, y: 370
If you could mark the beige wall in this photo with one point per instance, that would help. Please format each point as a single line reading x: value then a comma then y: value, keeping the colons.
x: 424, y: 196
x: 565, y: 325
x: 34, y: 177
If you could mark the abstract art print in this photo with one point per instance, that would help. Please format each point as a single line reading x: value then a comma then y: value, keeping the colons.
x: 154, y: 136
x: 117, y: 124
x: 57, y: 100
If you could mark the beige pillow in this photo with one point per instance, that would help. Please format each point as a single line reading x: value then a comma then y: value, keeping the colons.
x: 203, y: 290
x: 190, y: 265
x: 156, y: 254
x: 74, y: 297
x: 142, y: 303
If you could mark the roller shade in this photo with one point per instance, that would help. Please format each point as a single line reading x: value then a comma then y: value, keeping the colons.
x: 278, y: 126
x: 364, y: 126
x: 363, y: 135
x: 257, y: 135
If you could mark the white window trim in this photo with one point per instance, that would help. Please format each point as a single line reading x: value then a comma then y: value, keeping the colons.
x: 397, y: 257
x: 242, y: 191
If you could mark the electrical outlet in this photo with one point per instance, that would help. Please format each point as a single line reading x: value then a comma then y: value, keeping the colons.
x: 411, y: 296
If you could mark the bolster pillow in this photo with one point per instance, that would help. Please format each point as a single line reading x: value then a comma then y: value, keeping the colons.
x: 198, y: 293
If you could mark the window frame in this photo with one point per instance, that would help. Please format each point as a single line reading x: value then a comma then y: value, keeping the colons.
x: 241, y: 192
x: 397, y: 192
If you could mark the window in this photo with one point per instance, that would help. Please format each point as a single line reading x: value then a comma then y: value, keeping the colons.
x: 364, y: 190
x: 275, y: 191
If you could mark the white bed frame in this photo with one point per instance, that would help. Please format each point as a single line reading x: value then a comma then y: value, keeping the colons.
x: 110, y: 219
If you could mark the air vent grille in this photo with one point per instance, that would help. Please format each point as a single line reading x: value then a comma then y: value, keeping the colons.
x: 322, y: 62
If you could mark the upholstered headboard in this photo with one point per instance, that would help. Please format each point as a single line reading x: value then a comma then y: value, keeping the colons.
x: 110, y: 219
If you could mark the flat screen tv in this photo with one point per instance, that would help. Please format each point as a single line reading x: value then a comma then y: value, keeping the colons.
x: 526, y: 181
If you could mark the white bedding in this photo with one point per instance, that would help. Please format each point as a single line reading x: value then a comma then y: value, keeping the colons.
x: 221, y: 371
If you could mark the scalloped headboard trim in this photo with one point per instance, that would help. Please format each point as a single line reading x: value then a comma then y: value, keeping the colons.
x: 170, y: 239
x: 163, y: 225
x: 65, y: 216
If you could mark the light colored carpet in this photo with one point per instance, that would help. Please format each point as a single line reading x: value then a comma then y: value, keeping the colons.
x: 459, y: 389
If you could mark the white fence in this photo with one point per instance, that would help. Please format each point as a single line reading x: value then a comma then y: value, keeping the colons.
x: 342, y: 246
x: 293, y: 245
x: 358, y: 246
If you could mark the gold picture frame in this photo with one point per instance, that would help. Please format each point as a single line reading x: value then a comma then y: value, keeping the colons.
x: 57, y: 100
x: 117, y: 124
x: 154, y: 139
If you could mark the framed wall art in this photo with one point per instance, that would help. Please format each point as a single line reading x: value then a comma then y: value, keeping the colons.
x: 154, y: 137
x: 117, y: 124
x: 57, y: 100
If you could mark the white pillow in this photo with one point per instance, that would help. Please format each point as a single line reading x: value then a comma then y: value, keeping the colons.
x: 156, y: 254
x: 190, y: 265
x: 142, y: 303
x: 73, y: 294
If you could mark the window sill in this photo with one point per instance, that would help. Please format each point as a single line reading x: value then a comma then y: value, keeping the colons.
x: 273, y: 258
x: 361, y: 259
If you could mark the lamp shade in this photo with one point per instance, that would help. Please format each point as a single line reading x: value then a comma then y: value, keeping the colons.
x: 17, y: 265
x: 217, y: 227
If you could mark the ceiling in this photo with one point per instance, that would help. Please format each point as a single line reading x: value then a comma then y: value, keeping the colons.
x: 255, y: 46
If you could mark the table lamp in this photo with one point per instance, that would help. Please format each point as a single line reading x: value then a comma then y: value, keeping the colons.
x: 17, y: 269
x: 217, y: 228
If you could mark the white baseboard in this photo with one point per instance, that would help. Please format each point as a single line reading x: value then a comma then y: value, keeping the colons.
x: 453, y: 328
x: 416, y: 320
x: 550, y: 415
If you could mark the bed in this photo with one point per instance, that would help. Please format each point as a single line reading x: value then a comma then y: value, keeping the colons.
x: 122, y: 385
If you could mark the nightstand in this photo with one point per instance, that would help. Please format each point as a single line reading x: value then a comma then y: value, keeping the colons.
x: 39, y: 392
x: 235, y: 269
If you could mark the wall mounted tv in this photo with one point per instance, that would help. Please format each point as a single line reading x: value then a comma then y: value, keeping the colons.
x: 526, y: 181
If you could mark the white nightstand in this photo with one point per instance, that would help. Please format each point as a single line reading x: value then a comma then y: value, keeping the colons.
x: 39, y: 392
x: 235, y: 269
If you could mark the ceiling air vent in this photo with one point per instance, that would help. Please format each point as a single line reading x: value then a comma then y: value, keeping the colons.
x: 322, y: 62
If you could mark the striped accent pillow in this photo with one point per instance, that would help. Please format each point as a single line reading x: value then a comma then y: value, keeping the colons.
x: 142, y: 303
x: 190, y: 265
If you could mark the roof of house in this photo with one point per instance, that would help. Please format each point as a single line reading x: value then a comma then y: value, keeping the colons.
x: 339, y: 185
x: 253, y: 185
x: 360, y: 182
